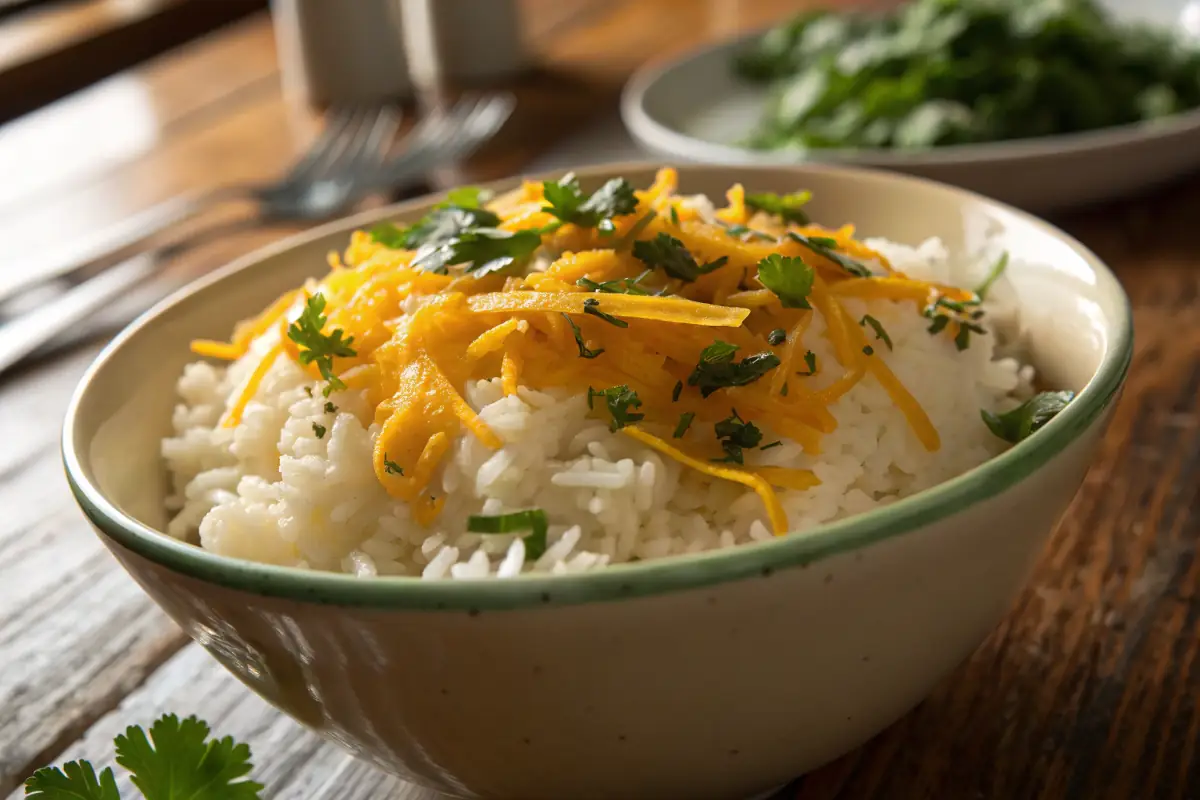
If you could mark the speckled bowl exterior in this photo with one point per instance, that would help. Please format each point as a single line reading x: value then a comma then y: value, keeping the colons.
x: 717, y: 675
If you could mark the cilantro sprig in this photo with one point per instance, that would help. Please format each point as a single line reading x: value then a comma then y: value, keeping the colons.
x: 462, y: 210
x: 317, y: 347
x: 666, y: 252
x: 620, y: 401
x: 176, y: 760
x: 788, y: 207
x: 789, y: 278
x: 484, y: 249
x: 717, y: 368
x: 566, y: 201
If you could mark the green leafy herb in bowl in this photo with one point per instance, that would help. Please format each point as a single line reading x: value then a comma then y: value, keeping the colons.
x: 942, y: 72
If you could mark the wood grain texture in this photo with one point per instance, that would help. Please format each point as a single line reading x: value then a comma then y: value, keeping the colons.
x: 1089, y: 689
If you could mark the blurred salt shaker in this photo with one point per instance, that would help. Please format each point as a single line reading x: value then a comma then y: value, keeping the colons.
x: 343, y: 52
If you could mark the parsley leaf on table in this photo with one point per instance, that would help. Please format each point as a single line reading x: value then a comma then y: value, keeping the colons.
x: 788, y: 277
x: 667, y: 252
x: 179, y: 761
x: 317, y: 347
x: 76, y: 780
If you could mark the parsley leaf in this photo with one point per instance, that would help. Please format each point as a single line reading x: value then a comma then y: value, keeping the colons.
x: 317, y: 347
x: 717, y: 369
x: 566, y: 202
x: 76, y: 780
x: 533, y: 520
x: 620, y: 401
x: 592, y: 306
x: 993, y: 275
x: 685, y: 422
x: 735, y: 434
x: 789, y: 278
x: 777, y: 336
x: 319, y: 430
x: 485, y: 249
x: 179, y: 760
x: 667, y: 252
x: 880, y: 333
x: 827, y: 247
x: 788, y: 207
x: 391, y: 467
x: 584, y: 350
x: 330, y: 408
x: 444, y: 222
x: 1027, y: 418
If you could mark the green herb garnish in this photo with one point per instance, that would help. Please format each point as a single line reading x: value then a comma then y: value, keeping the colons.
x: 685, y: 422
x: 565, y: 201
x: 584, y: 350
x: 592, y: 306
x: 1027, y: 418
x: 533, y: 520
x: 330, y: 408
x: 868, y: 350
x: 777, y: 336
x: 784, y: 391
x: 668, y: 253
x: 176, y: 760
x: 618, y: 286
x: 620, y: 400
x: 391, y: 467
x: 788, y: 207
x: 485, y: 249
x: 674, y: 217
x: 789, y: 278
x: 320, y: 348
x: 810, y: 360
x: 735, y: 434
x: 741, y: 232
x: 775, y: 443
x: 880, y: 333
x: 319, y: 430
x: 678, y: 390
x: 827, y: 247
x: 444, y: 222
x: 717, y: 369
x: 993, y: 275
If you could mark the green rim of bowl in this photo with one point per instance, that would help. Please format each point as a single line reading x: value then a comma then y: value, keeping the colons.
x: 621, y: 581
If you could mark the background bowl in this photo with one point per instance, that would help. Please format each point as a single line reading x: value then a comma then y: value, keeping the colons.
x: 717, y: 675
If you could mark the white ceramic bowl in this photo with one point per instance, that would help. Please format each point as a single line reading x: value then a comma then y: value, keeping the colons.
x: 717, y: 675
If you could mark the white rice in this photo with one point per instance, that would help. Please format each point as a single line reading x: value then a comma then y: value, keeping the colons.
x: 270, y: 490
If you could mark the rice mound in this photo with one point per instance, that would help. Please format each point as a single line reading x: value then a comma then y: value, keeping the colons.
x: 270, y: 490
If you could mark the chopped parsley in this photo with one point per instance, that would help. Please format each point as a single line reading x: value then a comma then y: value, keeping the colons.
x: 788, y: 207
x: 685, y: 422
x: 565, y: 200
x: 668, y: 253
x: 584, y: 350
x: 827, y: 247
x: 592, y: 306
x: 320, y: 348
x: 1027, y: 418
x: 330, y: 408
x: 485, y: 249
x: 868, y: 350
x: 810, y: 360
x: 717, y: 369
x: 391, y: 467
x: 176, y: 759
x: 777, y: 336
x: 962, y: 314
x: 880, y: 333
x: 620, y: 400
x: 618, y: 286
x: 993, y: 275
x: 788, y: 277
x: 319, y: 430
x: 678, y: 390
x: 736, y: 434
x: 776, y: 443
x: 533, y: 520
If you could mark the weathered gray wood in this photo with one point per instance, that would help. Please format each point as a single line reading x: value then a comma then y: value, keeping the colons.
x: 292, y: 762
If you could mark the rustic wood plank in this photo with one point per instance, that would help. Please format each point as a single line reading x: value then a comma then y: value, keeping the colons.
x: 54, y: 49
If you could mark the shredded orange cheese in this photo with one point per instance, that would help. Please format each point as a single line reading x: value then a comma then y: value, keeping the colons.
x: 419, y: 337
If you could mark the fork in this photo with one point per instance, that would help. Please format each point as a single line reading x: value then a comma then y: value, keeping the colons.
x: 317, y: 186
x: 438, y: 139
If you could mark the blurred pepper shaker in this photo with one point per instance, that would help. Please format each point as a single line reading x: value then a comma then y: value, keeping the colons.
x: 334, y: 52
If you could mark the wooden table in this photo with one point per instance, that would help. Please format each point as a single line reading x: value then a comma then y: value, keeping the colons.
x: 1090, y: 688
